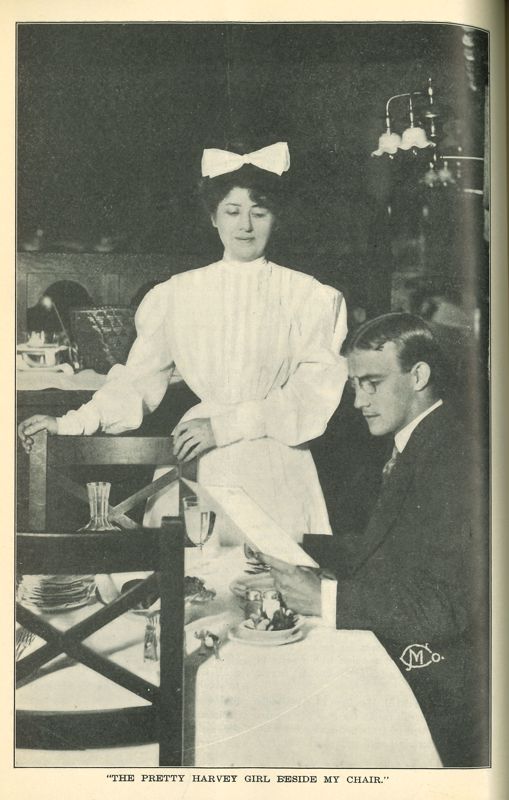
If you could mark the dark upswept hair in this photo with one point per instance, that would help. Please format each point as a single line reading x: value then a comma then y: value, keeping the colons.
x: 265, y: 188
x: 413, y: 338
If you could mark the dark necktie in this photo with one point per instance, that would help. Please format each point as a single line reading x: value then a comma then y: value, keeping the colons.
x: 389, y: 466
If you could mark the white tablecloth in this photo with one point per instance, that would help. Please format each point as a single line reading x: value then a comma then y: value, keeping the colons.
x: 60, y: 377
x: 333, y: 699
x: 63, y: 377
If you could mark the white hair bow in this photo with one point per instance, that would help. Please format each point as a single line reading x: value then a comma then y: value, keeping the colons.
x: 274, y: 158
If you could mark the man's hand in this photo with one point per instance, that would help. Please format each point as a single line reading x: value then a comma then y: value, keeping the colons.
x: 300, y: 587
x: 192, y: 438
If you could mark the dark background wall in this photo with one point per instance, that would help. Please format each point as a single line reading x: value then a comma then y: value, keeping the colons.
x: 112, y: 120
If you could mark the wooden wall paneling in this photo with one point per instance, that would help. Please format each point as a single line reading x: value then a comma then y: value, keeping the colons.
x: 39, y: 282
x: 109, y: 278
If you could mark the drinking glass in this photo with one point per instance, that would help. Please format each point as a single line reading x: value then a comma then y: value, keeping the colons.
x: 199, y: 522
x: 98, y: 497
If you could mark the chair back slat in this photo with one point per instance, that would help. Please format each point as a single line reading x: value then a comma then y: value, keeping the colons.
x: 104, y: 449
x: 90, y: 552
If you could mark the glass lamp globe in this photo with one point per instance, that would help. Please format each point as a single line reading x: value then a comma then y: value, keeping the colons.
x: 414, y: 137
x: 388, y: 143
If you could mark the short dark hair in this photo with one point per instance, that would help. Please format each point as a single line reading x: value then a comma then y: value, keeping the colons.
x: 413, y: 338
x: 265, y: 188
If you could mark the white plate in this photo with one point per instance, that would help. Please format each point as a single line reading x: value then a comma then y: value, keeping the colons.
x: 246, y: 631
x: 54, y: 609
x: 239, y: 635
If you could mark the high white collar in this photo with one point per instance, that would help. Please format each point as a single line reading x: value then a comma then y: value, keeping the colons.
x: 257, y: 262
x: 402, y: 437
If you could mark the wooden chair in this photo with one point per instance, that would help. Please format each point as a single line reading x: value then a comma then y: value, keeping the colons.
x: 161, y: 550
x: 56, y: 454
x: 133, y: 549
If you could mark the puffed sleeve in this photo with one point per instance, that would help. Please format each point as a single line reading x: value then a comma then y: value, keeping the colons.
x: 299, y: 410
x: 138, y: 387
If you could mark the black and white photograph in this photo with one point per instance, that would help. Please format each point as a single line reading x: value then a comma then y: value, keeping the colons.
x: 253, y: 397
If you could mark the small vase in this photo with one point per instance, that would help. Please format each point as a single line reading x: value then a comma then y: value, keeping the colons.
x: 98, y: 497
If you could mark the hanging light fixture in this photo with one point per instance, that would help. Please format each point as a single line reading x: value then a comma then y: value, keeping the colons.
x: 431, y: 178
x: 445, y: 170
x: 445, y: 175
x: 440, y: 173
x: 414, y: 137
x: 431, y: 112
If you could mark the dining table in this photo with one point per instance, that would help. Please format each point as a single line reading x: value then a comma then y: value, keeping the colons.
x: 330, y: 699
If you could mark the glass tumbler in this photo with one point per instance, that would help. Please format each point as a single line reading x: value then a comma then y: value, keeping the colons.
x: 98, y: 498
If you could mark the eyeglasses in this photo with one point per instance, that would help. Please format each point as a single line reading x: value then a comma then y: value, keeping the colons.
x: 368, y: 385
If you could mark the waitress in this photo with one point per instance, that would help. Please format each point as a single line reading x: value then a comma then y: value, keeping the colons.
x: 259, y: 345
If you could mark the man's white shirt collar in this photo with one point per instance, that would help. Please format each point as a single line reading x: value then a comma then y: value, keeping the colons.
x: 402, y: 437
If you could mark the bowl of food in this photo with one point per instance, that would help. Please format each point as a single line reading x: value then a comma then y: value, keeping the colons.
x: 281, y: 628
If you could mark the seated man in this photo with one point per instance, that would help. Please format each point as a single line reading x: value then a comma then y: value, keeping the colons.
x: 418, y: 573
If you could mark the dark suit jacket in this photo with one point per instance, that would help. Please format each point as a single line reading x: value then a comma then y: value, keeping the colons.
x: 418, y: 576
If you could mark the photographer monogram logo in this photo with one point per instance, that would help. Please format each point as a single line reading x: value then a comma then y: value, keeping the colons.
x: 416, y: 656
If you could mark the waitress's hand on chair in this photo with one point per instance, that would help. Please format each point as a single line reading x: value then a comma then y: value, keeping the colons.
x: 34, y: 424
x: 192, y: 438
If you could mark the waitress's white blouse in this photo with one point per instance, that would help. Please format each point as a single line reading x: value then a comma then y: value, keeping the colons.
x: 259, y: 344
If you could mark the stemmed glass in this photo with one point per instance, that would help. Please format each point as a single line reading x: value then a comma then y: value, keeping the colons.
x: 199, y: 523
